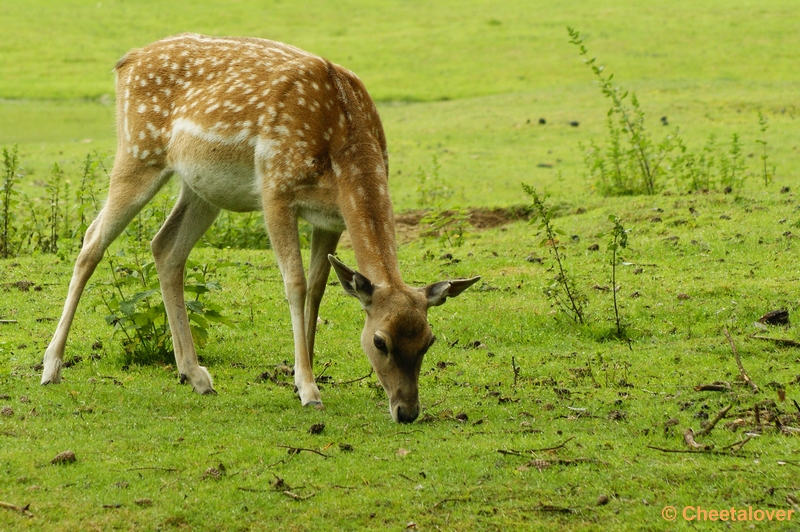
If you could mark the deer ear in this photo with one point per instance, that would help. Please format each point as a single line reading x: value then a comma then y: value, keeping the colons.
x: 353, y: 282
x: 437, y: 293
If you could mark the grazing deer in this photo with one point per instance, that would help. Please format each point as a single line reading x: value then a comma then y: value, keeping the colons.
x: 251, y: 124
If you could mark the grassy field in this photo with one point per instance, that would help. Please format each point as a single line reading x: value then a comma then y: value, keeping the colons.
x: 529, y: 421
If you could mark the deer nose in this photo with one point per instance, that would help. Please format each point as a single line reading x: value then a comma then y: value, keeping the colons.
x: 406, y: 414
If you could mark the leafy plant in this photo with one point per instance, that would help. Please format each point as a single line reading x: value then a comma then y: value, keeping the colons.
x: 712, y: 168
x: 241, y: 231
x: 11, y: 178
x: 766, y: 173
x: 449, y: 225
x: 632, y: 162
x: 619, y: 240
x: 563, y: 291
x: 85, y: 196
x: 431, y: 189
x: 136, y: 310
x: 54, y: 215
x: 732, y: 167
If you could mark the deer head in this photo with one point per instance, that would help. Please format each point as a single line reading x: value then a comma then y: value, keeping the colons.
x: 396, y: 332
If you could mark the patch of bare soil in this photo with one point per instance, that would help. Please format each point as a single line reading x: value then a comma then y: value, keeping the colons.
x: 407, y: 223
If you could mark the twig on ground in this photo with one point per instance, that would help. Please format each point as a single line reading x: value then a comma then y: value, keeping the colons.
x: 170, y: 469
x: 688, y: 437
x: 340, y: 383
x: 296, y: 496
x: 780, y: 341
x: 511, y: 452
x: 295, y: 450
x: 713, y: 387
x: 742, y: 372
x: 736, y: 447
x: 8, y: 321
x: 713, y: 423
x: 562, y: 444
x: 324, y: 369
x: 665, y: 450
x: 21, y: 509
x: 554, y: 509
x: 531, y: 451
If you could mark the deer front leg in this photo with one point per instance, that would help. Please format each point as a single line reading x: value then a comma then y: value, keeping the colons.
x: 188, y: 221
x: 323, y: 243
x: 281, y: 224
x: 132, y: 186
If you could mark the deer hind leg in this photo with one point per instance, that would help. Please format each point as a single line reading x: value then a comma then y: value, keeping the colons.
x: 130, y: 189
x: 281, y: 222
x: 188, y: 221
x: 323, y: 242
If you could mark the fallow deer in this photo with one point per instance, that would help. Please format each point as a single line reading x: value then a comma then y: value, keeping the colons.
x: 250, y: 124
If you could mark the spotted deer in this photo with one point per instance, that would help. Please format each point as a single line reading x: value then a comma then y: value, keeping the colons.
x: 247, y: 125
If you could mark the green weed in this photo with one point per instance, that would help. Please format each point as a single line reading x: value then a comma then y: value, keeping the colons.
x: 632, y: 162
x: 136, y: 310
x: 767, y: 173
x: 618, y: 241
x: 448, y: 225
x: 11, y: 177
x: 564, y: 291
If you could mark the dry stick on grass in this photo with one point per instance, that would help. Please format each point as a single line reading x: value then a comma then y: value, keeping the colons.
x: 665, y: 450
x: 8, y: 321
x: 713, y: 423
x: 779, y: 341
x: 736, y: 447
x: 742, y: 372
x: 295, y: 450
x: 21, y: 509
x: 296, y: 496
x: 518, y: 453
x: 352, y: 381
x: 688, y: 437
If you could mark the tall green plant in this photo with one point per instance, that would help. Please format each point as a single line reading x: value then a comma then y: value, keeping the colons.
x: 618, y: 241
x: 632, y: 163
x: 766, y: 173
x: 54, y: 218
x: 11, y: 178
x: 563, y: 291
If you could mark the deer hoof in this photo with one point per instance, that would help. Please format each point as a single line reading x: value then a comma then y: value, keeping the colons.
x: 200, y: 380
x: 51, y: 374
x: 316, y: 405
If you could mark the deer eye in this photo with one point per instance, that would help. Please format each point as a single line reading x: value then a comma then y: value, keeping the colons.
x: 380, y: 343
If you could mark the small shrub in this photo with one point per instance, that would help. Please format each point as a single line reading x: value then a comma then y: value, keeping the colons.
x: 136, y: 309
x: 632, y: 163
x: 766, y: 173
x: 11, y: 178
x: 618, y: 241
x: 449, y: 226
x: 563, y: 290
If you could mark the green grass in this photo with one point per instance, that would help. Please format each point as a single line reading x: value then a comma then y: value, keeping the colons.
x: 467, y: 83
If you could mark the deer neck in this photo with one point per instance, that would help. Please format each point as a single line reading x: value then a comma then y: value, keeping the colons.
x: 368, y: 215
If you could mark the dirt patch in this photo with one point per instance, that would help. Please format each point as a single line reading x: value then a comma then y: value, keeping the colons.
x: 407, y: 223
